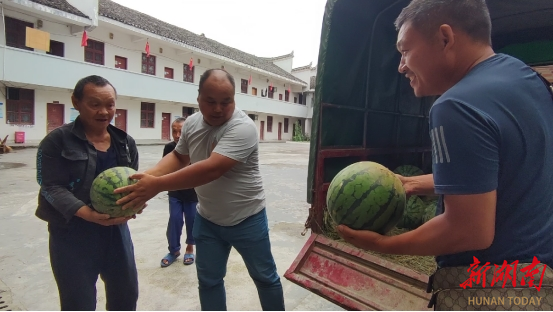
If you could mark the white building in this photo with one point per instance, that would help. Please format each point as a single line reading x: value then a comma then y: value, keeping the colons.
x: 152, y: 91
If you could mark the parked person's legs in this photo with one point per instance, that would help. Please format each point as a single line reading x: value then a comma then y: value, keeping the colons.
x: 75, y: 257
x: 212, y: 254
x: 119, y: 271
x: 251, y: 240
x: 189, y: 216
x: 174, y: 229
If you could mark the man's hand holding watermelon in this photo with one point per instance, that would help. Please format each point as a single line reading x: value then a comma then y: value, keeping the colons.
x: 140, y: 192
x: 92, y: 215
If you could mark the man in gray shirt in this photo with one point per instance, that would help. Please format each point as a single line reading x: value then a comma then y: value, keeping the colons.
x: 222, y: 145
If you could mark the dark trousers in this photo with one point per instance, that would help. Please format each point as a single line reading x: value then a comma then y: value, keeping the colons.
x: 84, y: 251
x: 179, y: 213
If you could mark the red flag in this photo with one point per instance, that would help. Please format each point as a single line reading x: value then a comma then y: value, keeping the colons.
x: 250, y: 81
x: 84, y: 40
x: 191, y: 63
x: 147, y: 49
x: 289, y: 89
x: 271, y: 88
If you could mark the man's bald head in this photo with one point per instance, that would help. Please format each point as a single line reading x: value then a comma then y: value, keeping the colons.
x: 218, y: 74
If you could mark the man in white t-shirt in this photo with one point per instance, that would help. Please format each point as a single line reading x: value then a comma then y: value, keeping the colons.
x: 221, y: 143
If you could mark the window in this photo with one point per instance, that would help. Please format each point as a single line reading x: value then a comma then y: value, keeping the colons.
x: 56, y: 48
x: 254, y: 91
x: 244, y: 86
x: 280, y: 96
x: 188, y: 74
x: 94, y: 52
x: 168, y: 72
x: 269, y: 123
x: 301, y: 98
x: 147, y: 113
x: 148, y: 64
x: 20, y: 106
x: 120, y: 62
x: 252, y: 116
x: 187, y: 111
x: 295, y: 99
x: 285, y: 125
x: 16, y: 33
x: 286, y: 96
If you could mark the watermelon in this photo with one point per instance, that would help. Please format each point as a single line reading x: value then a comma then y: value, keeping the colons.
x: 414, y: 212
x: 366, y: 196
x: 101, y: 193
x: 408, y: 171
x: 430, y: 211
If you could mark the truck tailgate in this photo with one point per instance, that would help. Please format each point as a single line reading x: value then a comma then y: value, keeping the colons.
x: 356, y: 280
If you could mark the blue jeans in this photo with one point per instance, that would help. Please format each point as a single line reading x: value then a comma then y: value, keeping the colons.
x: 178, y: 209
x: 83, y: 251
x: 251, y: 239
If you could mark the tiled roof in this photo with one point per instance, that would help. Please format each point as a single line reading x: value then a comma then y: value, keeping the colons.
x: 61, y: 5
x: 308, y: 66
x: 281, y: 57
x: 150, y: 24
x: 115, y: 11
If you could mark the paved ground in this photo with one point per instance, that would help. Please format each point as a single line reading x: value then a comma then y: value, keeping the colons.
x: 25, y: 267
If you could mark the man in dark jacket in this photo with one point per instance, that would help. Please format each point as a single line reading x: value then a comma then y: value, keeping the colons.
x: 84, y: 243
x: 181, y: 203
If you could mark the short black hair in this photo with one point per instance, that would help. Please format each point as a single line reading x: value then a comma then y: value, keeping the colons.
x: 78, y: 92
x: 179, y: 120
x: 208, y: 73
x: 470, y: 16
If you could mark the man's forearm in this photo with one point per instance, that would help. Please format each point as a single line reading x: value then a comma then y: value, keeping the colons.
x: 421, y: 185
x: 436, y: 237
x: 195, y: 175
x: 168, y: 164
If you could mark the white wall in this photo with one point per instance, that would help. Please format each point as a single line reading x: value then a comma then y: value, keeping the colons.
x: 305, y: 75
x: 273, y: 136
x: 285, y: 64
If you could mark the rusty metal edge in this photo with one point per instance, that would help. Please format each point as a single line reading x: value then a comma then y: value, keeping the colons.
x: 331, y: 294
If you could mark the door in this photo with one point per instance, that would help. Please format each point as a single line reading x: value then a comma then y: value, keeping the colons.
x: 54, y: 115
x: 121, y: 119
x: 280, y: 131
x: 262, y: 131
x: 166, y: 126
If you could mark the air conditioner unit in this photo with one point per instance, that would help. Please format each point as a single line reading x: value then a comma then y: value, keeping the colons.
x: 274, y: 89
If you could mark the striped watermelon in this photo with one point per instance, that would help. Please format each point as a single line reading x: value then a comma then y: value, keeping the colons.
x: 101, y: 193
x: 414, y: 212
x: 408, y: 171
x: 430, y: 210
x: 366, y: 196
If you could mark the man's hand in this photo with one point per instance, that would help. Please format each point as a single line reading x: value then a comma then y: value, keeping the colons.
x: 91, y: 215
x: 367, y: 240
x: 418, y: 185
x: 139, y: 193
x: 408, y: 184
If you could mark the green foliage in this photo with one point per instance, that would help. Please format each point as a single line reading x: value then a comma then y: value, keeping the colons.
x: 299, y: 136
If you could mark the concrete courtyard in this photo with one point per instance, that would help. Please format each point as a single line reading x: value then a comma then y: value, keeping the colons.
x: 25, y: 271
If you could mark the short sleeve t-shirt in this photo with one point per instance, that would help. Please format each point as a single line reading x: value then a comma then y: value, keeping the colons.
x: 239, y: 193
x: 494, y: 131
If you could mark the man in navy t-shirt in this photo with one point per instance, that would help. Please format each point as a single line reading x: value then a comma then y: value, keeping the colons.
x: 493, y: 131
x: 492, y: 142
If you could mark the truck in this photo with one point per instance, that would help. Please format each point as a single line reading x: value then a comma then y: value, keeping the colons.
x: 365, y: 110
